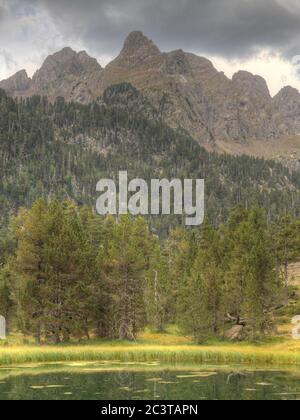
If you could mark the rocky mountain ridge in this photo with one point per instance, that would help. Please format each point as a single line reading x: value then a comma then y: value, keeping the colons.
x: 185, y: 89
x: 74, y: 76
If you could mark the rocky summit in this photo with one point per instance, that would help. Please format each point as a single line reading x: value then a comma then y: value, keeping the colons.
x: 74, y: 76
x: 185, y: 89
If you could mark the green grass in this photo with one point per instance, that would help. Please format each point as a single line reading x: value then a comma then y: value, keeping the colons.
x: 176, y: 355
x: 168, y: 348
x: 149, y: 353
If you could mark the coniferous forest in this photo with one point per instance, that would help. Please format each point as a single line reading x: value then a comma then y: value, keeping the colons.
x: 61, y: 151
x: 67, y: 273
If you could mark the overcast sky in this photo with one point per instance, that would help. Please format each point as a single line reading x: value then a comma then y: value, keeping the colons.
x: 261, y: 36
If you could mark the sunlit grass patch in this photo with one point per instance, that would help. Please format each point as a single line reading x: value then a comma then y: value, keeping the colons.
x: 287, y: 354
x: 151, y: 350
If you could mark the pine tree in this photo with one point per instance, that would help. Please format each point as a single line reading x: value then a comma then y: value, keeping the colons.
x: 201, y: 307
x: 286, y: 242
x: 235, y: 267
x: 99, y: 233
x: 260, y: 287
x: 179, y: 252
x: 128, y: 257
x: 32, y: 234
x: 157, y: 289
x: 54, y: 268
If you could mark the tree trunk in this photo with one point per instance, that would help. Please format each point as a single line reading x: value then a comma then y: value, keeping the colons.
x: 38, y: 335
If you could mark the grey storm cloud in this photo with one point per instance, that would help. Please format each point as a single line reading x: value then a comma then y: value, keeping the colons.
x: 231, y: 28
x: 2, y: 12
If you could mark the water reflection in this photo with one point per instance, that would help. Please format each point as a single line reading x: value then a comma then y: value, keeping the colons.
x: 91, y: 382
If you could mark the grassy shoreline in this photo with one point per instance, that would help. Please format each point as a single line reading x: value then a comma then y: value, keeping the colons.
x: 162, y: 348
x: 150, y: 353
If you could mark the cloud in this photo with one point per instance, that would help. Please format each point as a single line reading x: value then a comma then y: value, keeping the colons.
x: 3, y: 8
x: 27, y: 35
x: 230, y: 31
x: 272, y: 67
x: 231, y: 28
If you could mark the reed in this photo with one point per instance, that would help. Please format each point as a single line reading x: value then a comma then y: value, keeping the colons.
x: 252, y: 355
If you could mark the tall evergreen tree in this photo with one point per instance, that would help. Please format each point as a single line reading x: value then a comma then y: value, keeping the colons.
x: 201, y: 311
x: 262, y: 284
x: 128, y: 257
x: 286, y: 242
x: 157, y: 289
x: 32, y: 235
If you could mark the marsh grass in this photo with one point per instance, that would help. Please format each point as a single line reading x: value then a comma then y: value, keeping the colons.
x: 168, y: 348
x: 141, y: 353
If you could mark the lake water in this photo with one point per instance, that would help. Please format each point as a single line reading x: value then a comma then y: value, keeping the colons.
x: 117, y: 382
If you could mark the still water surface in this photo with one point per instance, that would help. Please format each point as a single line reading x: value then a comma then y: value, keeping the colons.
x: 103, y: 382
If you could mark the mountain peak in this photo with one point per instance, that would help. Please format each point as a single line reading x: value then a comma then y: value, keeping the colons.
x: 66, y: 61
x: 65, y: 51
x: 70, y: 60
x: 251, y: 84
x: 138, y: 44
x: 19, y: 82
x: 22, y: 74
x: 287, y: 91
x: 75, y: 76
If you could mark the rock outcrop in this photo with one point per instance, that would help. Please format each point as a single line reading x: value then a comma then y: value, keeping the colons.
x: 287, y: 106
x: 74, y: 76
x: 235, y: 333
x: 17, y: 85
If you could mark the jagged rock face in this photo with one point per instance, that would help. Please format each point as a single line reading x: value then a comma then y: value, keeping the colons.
x: 186, y: 90
x: 137, y: 51
x: 287, y: 104
x: 139, y: 63
x: 74, y: 76
x: 172, y: 81
x: 254, y: 106
x: 252, y: 86
x: 16, y: 84
x: 192, y: 94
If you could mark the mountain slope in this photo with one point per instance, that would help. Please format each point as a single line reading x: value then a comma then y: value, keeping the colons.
x: 63, y: 149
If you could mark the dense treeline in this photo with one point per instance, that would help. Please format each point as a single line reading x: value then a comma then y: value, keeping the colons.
x: 61, y: 151
x: 66, y: 273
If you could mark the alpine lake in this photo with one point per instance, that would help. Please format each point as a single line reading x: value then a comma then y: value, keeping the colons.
x: 146, y: 381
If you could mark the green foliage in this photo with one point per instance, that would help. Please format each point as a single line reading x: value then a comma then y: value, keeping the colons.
x: 234, y: 278
x: 200, y: 303
x: 128, y: 258
x: 286, y: 233
x: 72, y: 274
x: 75, y: 273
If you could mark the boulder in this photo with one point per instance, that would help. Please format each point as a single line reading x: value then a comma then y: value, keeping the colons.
x: 235, y: 333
